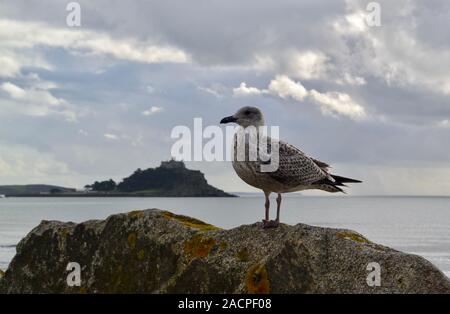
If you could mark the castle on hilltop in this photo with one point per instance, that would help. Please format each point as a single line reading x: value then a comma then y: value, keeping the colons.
x: 172, y: 164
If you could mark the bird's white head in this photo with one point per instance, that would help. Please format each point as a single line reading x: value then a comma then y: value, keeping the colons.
x: 245, y: 117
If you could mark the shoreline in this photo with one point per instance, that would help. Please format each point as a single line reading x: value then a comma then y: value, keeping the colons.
x: 112, y: 195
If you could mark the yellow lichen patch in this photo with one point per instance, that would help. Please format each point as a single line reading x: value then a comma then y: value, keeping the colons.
x: 353, y: 236
x: 257, y: 279
x: 2, y: 273
x: 115, y: 279
x: 199, y: 246
x: 189, y: 221
x: 132, y: 240
x: 136, y: 214
x: 62, y: 237
x: 117, y: 276
x: 140, y: 255
x: 243, y: 255
x: 64, y: 232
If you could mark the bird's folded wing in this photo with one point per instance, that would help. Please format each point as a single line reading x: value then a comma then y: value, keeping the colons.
x: 295, y: 168
x: 323, y: 165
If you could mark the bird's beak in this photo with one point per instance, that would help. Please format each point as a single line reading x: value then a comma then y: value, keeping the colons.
x: 228, y: 120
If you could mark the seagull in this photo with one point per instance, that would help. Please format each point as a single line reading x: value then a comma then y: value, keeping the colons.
x: 296, y: 171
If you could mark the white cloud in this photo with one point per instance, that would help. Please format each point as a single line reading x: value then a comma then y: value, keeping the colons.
x: 350, y: 79
x: 13, y: 60
x: 352, y: 23
x: 24, y: 165
x: 394, y: 52
x: 284, y: 87
x: 13, y: 90
x: 306, y: 65
x: 243, y: 90
x: 330, y: 103
x: 110, y: 136
x: 8, y: 67
x: 19, y: 36
x: 262, y: 63
x: 338, y: 103
x: 215, y: 90
x: 300, y: 64
x: 35, y: 101
x: 152, y: 111
x: 444, y: 123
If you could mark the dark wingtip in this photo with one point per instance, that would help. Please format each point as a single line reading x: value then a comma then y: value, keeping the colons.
x: 340, y: 179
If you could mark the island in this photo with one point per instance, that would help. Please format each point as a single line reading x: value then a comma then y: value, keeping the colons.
x: 170, y: 179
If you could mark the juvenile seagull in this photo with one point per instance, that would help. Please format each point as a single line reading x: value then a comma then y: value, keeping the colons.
x: 296, y: 171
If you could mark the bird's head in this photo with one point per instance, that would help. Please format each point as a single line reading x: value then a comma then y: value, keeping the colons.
x: 246, y: 116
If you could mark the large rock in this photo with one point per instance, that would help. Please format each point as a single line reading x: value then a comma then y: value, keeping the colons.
x: 156, y: 251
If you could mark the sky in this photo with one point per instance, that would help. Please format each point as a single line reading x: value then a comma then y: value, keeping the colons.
x: 99, y: 100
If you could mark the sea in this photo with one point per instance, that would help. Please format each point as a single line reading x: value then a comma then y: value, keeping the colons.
x: 417, y: 225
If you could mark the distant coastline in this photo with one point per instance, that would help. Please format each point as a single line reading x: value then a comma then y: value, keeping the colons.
x: 81, y: 194
x: 170, y: 179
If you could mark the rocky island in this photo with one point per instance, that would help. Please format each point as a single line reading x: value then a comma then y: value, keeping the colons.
x: 170, y: 179
x: 156, y: 251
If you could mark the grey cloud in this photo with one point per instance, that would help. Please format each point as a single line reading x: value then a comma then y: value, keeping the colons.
x: 225, y: 40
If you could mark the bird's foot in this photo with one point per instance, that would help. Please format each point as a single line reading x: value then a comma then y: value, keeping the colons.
x: 270, y: 223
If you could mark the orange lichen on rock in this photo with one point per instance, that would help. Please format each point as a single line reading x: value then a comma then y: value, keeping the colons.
x: 257, y: 279
x: 199, y: 246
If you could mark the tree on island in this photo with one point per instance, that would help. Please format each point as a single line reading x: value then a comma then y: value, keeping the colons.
x: 103, y: 186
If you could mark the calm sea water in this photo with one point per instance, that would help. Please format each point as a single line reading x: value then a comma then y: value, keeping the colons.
x: 419, y: 225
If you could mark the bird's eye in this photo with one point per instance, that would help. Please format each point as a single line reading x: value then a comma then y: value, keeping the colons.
x: 247, y: 112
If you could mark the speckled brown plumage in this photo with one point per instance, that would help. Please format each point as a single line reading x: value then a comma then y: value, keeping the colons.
x: 296, y: 171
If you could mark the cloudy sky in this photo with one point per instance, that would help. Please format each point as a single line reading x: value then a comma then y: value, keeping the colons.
x: 79, y: 104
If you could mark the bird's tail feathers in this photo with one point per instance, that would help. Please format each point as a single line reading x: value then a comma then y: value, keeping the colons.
x: 341, y: 180
x: 334, y: 183
x: 329, y: 188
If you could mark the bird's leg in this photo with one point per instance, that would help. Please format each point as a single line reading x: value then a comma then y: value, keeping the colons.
x: 272, y: 223
x: 278, y: 209
x: 267, y: 207
x: 267, y: 204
